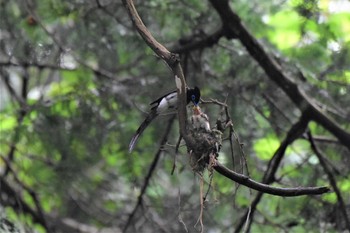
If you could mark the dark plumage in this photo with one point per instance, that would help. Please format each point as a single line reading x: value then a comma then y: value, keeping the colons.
x: 162, y: 105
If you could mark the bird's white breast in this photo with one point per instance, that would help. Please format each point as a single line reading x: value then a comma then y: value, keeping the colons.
x: 169, y: 102
x: 201, y: 122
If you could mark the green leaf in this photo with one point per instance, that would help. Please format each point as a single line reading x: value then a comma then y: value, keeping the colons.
x: 111, y: 160
x: 330, y: 197
x: 7, y: 122
x: 285, y: 32
x: 340, y: 26
x: 266, y: 147
x: 344, y: 185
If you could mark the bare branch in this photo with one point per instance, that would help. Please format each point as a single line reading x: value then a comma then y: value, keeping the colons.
x: 284, y: 192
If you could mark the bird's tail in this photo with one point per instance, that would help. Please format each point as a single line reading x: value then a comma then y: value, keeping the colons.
x: 140, y: 130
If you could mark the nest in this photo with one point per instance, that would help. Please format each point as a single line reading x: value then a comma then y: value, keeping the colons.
x: 203, y: 148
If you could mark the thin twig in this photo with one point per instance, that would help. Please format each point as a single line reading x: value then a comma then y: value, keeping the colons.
x: 176, y: 153
x: 30, y: 191
x: 200, y: 217
x: 331, y: 179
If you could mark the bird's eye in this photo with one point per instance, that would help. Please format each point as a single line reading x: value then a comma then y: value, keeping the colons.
x: 193, y: 97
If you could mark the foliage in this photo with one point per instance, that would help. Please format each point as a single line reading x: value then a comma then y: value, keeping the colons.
x: 76, y: 79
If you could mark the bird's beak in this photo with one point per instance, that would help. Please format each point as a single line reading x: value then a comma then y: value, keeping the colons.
x: 194, y: 103
x: 196, y: 110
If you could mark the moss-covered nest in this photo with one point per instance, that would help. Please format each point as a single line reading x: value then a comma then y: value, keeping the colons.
x: 202, y: 146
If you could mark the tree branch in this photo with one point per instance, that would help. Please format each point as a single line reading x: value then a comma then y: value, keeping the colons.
x: 30, y: 191
x: 9, y: 197
x: 295, y: 132
x: 191, y: 43
x: 284, y: 192
x: 233, y: 27
x: 171, y: 59
x: 331, y: 179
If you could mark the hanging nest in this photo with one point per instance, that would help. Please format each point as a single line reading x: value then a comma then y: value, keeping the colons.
x: 203, y: 147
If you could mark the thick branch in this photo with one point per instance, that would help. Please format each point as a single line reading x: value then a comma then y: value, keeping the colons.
x: 191, y: 43
x: 171, y: 59
x: 284, y: 192
x: 233, y: 27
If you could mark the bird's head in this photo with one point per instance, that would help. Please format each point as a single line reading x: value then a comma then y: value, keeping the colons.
x: 193, y: 95
x: 196, y: 110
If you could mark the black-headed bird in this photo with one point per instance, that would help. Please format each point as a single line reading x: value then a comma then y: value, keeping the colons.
x: 199, y: 119
x: 164, y: 105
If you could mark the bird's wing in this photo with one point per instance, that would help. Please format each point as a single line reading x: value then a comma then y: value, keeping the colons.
x: 166, y: 104
x: 157, y: 101
x: 163, y: 105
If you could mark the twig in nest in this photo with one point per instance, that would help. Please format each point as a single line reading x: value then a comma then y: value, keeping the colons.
x: 200, y: 218
x: 212, y: 162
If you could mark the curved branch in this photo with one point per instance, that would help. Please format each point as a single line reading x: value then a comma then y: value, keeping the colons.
x: 284, y: 192
x: 171, y: 59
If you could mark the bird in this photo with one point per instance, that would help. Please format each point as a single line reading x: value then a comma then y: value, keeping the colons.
x: 163, y: 105
x: 199, y: 119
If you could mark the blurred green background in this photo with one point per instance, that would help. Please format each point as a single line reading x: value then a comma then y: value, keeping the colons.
x: 76, y: 80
